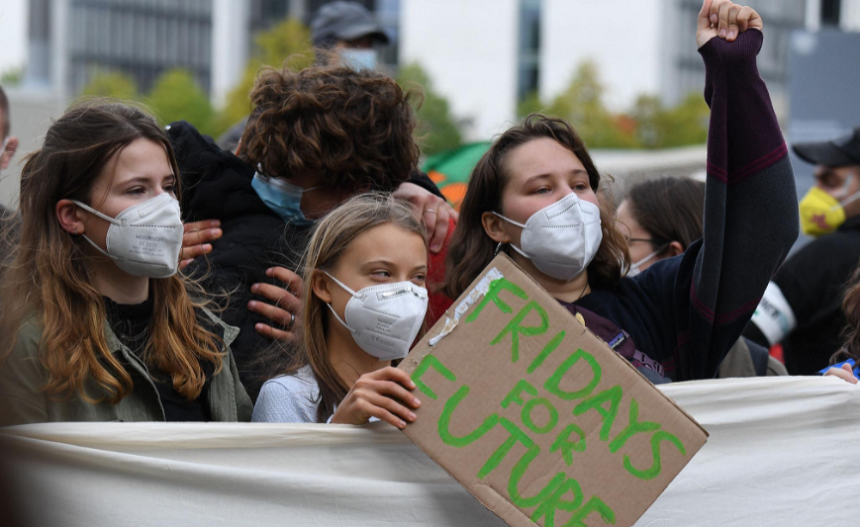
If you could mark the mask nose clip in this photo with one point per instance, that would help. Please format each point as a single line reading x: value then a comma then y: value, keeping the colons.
x: 402, y: 291
x: 397, y: 292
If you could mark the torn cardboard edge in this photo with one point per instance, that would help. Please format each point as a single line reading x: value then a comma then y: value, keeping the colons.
x: 490, y: 491
x: 477, y: 293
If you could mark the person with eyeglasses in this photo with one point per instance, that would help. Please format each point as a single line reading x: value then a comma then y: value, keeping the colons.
x: 661, y: 218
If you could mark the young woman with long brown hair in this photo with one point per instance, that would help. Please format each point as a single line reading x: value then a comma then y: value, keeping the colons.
x: 851, y: 349
x: 364, y: 274
x: 97, y: 325
x: 534, y: 195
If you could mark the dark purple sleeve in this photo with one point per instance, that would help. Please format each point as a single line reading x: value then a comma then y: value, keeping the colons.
x: 751, y: 218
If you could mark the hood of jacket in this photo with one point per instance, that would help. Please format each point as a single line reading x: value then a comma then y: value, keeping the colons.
x: 216, y: 184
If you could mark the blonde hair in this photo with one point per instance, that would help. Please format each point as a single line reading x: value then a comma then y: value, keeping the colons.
x: 48, y: 277
x: 331, y: 237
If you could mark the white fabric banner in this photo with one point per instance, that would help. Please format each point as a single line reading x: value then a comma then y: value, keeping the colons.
x: 782, y: 451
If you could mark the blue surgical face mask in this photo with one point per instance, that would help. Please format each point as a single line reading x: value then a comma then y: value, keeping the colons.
x: 359, y: 59
x: 283, y: 198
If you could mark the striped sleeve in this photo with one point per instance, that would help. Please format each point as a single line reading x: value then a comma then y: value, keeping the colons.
x: 751, y: 218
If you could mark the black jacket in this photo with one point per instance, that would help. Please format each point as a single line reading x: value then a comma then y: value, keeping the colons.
x: 812, y: 282
x: 217, y: 185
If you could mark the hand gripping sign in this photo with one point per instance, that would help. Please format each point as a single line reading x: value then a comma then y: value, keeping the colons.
x: 537, y: 417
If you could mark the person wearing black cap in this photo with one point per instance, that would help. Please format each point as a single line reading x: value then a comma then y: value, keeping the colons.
x: 350, y: 30
x: 801, y: 308
x: 344, y: 29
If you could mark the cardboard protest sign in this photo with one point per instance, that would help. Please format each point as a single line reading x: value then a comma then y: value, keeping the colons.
x: 537, y: 417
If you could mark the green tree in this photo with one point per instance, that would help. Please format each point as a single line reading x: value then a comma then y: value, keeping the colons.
x: 114, y: 85
x: 582, y: 105
x: 12, y: 77
x: 687, y: 123
x: 531, y: 104
x: 661, y: 127
x: 288, y: 40
x: 650, y: 118
x: 177, y: 96
x: 649, y: 124
x: 437, y: 130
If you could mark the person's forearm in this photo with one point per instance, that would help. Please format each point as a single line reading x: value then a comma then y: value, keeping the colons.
x: 751, y: 205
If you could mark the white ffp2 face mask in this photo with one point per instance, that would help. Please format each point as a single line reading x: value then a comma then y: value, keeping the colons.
x: 144, y: 239
x: 561, y: 239
x: 384, y: 319
x: 635, y: 267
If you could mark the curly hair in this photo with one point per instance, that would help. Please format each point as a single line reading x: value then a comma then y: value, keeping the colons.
x: 349, y: 127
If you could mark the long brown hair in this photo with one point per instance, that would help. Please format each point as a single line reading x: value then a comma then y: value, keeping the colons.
x: 330, y: 239
x: 471, y: 249
x: 49, y: 277
x: 851, y: 308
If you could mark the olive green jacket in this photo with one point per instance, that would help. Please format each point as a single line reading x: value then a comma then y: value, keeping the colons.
x: 22, y: 376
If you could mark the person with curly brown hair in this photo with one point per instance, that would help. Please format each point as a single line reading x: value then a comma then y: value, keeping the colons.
x: 315, y: 138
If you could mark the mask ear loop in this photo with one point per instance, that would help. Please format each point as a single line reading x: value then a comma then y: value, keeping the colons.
x: 846, y: 201
x: 108, y: 219
x: 270, y: 179
x: 342, y: 323
x: 512, y: 222
x: 341, y: 284
x: 328, y: 304
x: 93, y: 211
x: 514, y: 247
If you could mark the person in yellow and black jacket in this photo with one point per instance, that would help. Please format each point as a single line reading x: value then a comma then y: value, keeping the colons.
x: 801, y: 308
